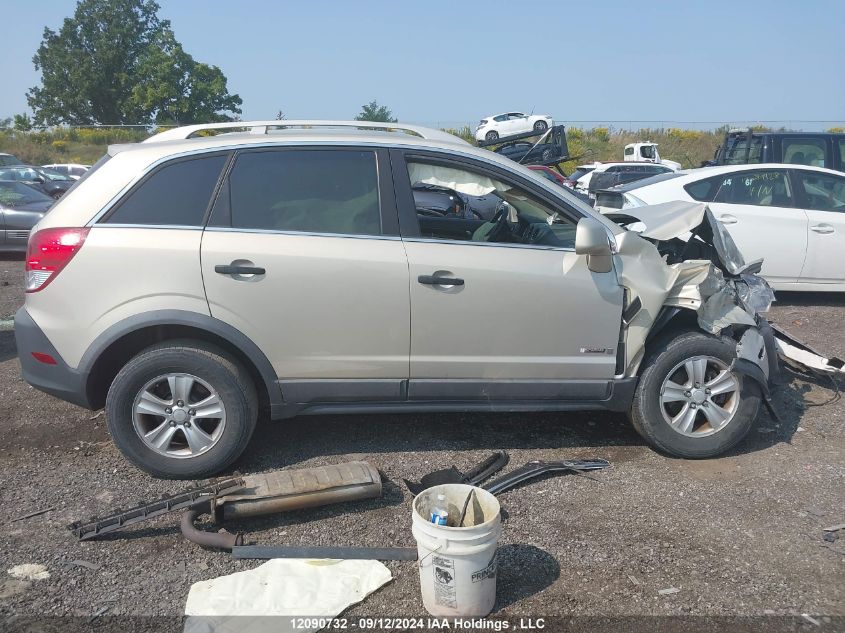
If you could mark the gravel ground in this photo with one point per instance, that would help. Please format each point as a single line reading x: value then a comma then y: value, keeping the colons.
x: 737, y: 536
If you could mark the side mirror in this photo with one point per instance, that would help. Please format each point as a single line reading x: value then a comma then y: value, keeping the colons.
x: 591, y: 239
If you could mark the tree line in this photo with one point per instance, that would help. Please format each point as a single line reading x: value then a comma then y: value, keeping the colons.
x: 115, y: 62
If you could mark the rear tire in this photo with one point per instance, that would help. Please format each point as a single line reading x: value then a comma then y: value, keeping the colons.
x: 492, y: 135
x: 666, y: 410
x: 180, y: 444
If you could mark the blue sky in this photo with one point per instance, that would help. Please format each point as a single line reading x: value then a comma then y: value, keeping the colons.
x: 445, y: 63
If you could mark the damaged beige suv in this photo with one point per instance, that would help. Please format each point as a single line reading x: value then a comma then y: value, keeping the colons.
x: 215, y: 273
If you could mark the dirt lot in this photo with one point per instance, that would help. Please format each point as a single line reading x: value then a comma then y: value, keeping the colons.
x: 740, y: 535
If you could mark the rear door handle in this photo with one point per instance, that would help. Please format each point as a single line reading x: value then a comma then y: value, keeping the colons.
x: 431, y: 280
x: 822, y: 228
x: 229, y: 269
x: 727, y: 219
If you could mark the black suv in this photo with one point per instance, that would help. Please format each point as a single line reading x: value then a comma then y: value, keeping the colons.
x: 818, y: 149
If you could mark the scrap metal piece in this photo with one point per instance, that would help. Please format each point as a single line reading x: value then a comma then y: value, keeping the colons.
x: 536, y: 468
x: 202, y: 495
x: 262, y: 552
x: 474, y: 476
x: 218, y: 540
x: 294, y: 489
x: 798, y: 354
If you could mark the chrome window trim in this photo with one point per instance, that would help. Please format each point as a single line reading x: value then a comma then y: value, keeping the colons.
x: 538, y: 247
x: 180, y: 227
x: 359, y: 236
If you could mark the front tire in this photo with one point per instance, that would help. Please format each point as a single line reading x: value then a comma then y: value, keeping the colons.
x: 688, y: 403
x: 541, y: 126
x: 182, y: 410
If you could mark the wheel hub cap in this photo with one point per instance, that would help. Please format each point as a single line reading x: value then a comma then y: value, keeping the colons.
x: 178, y: 415
x: 699, y: 396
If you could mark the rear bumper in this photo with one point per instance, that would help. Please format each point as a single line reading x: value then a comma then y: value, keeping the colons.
x: 58, y: 380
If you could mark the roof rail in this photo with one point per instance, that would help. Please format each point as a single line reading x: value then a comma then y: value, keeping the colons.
x: 261, y: 127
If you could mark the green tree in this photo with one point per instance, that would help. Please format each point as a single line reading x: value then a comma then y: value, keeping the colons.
x: 116, y: 62
x: 22, y: 122
x: 173, y: 87
x: 372, y: 111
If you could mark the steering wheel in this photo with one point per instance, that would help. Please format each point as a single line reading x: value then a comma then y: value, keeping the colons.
x: 502, y: 215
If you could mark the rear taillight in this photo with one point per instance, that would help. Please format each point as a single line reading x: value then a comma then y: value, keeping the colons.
x: 48, y: 251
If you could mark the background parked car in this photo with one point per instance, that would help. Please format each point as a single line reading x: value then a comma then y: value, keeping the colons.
x: 523, y: 151
x: 74, y: 170
x: 498, y: 125
x: 9, y: 159
x: 47, y: 181
x: 620, y: 174
x: 21, y: 206
x: 549, y: 174
x: 793, y: 217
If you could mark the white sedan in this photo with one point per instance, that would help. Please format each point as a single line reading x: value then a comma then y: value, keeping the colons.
x: 792, y: 216
x: 494, y: 127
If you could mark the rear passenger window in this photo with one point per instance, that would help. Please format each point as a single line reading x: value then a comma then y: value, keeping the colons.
x: 314, y: 191
x: 758, y: 188
x: 176, y: 195
x: 804, y: 151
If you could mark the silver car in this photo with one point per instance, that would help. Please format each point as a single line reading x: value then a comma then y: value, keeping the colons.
x: 190, y: 283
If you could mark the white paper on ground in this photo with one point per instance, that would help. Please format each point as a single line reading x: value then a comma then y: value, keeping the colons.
x: 280, y: 587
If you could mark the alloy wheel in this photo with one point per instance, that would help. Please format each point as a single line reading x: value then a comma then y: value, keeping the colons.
x: 700, y: 396
x: 178, y: 415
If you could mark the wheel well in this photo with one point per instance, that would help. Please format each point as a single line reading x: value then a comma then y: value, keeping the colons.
x: 120, y: 351
x: 667, y: 325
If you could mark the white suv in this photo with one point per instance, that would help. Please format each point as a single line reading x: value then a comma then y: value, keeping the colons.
x: 189, y: 284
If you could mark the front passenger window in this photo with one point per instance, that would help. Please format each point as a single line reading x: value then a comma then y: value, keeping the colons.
x: 459, y: 204
x: 823, y: 192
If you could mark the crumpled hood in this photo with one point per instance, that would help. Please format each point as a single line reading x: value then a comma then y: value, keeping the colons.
x: 665, y: 221
x: 683, y: 220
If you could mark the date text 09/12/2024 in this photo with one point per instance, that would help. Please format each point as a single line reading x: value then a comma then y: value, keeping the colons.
x: 433, y: 623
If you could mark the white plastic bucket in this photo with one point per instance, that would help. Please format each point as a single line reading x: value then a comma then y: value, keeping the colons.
x: 457, y: 564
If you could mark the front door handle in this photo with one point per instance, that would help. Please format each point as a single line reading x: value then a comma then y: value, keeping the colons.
x: 230, y: 269
x: 431, y: 280
x: 727, y: 219
x: 822, y: 228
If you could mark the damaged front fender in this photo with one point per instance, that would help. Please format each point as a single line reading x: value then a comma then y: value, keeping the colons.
x: 677, y: 256
x: 681, y: 257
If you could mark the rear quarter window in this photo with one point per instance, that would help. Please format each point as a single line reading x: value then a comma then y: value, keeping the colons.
x: 704, y: 190
x: 176, y: 194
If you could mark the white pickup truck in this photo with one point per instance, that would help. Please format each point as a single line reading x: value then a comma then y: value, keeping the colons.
x: 647, y: 152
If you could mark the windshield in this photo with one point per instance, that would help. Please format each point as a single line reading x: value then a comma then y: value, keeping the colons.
x: 16, y: 194
x: 52, y: 174
x: 738, y: 152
